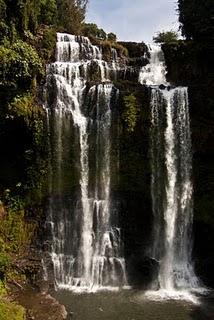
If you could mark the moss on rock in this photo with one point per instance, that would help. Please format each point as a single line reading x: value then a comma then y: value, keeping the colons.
x: 11, y: 311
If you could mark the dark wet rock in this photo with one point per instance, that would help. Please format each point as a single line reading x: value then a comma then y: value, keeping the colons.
x: 142, y: 271
x: 162, y: 87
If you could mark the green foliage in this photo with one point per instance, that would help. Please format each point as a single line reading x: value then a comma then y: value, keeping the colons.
x: 48, y: 12
x: 24, y: 106
x: 23, y: 14
x: 92, y: 30
x: 2, y: 289
x: 19, y: 62
x: 2, y: 9
x: 29, y: 12
x: 106, y: 41
x: 196, y: 18
x: 107, y: 49
x: 48, y: 43
x: 111, y: 37
x: 4, y: 267
x: 166, y: 37
x: 4, y: 263
x: 11, y: 311
x: 27, y: 41
x: 122, y: 51
x: 130, y: 112
x: 13, y: 235
x: 15, y: 232
x: 28, y: 15
x: 71, y: 14
x: 13, y: 203
x: 4, y: 30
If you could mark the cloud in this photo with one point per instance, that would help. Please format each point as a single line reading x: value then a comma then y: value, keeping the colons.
x: 136, y: 20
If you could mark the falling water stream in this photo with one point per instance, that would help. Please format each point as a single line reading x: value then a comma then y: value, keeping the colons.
x: 86, y: 248
x: 171, y: 185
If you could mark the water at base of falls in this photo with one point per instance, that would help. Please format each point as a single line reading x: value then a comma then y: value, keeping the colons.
x: 171, y: 185
x: 86, y: 248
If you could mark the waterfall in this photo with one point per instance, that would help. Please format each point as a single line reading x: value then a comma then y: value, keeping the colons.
x: 171, y: 185
x: 85, y: 244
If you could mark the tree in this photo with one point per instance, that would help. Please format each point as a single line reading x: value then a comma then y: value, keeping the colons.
x: 48, y: 12
x: 23, y: 14
x: 19, y: 64
x: 2, y: 9
x: 92, y: 30
x: 71, y: 14
x: 197, y: 19
x: 166, y: 37
x: 112, y: 37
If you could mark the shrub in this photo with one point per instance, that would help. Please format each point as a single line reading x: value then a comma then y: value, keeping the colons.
x: 71, y: 14
x: 166, y: 37
x: 130, y: 112
x: 18, y: 62
x: 48, y: 12
x: 48, y: 43
x: 15, y: 231
x: 92, y: 30
x: 107, y: 49
x: 2, y: 9
x: 112, y: 37
x: 11, y: 311
x: 2, y: 289
x: 4, y: 264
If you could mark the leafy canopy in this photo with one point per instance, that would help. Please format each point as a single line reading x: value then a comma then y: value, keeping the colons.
x: 92, y: 30
x: 166, y: 37
x: 18, y: 62
x: 197, y: 19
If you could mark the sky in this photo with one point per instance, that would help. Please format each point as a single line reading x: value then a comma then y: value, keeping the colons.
x: 134, y: 20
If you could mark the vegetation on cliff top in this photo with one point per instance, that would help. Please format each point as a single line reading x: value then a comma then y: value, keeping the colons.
x: 197, y: 19
x: 166, y: 37
x: 92, y: 30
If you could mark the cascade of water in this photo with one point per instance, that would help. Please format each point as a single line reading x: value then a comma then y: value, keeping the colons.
x: 176, y: 271
x: 154, y: 73
x: 114, y: 61
x: 86, y: 249
x: 171, y: 186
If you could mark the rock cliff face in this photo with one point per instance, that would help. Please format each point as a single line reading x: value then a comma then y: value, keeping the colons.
x: 133, y: 188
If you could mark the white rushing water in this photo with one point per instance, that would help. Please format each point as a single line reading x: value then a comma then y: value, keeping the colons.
x: 86, y: 248
x: 154, y: 73
x: 171, y: 185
